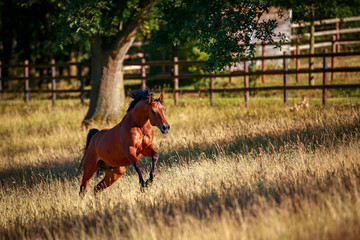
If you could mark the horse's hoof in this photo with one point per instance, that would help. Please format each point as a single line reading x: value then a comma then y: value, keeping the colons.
x: 96, y: 191
x: 82, y: 194
x: 142, y: 189
x: 148, y: 182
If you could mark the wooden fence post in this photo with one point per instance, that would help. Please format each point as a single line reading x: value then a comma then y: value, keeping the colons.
x: 0, y: 81
x: 297, y: 63
x: 26, y: 83
x: 333, y: 50
x: 311, y: 67
x: 212, y: 90
x: 231, y: 69
x: 143, y: 74
x: 285, y: 79
x: 324, y: 100
x: 176, y: 80
x: 295, y: 40
x: 263, y: 64
x: 53, y: 81
x: 294, y: 45
x: 81, y: 73
x: 337, y: 26
x: 246, y: 82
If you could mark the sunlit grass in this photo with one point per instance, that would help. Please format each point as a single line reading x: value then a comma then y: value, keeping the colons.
x: 225, y: 172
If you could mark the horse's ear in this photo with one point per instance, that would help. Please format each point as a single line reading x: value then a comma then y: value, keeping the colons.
x: 161, y: 98
x: 151, y: 98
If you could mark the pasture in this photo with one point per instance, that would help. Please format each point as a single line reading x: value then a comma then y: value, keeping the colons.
x: 224, y: 172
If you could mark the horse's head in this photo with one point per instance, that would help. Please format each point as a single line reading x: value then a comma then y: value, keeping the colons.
x: 157, y: 114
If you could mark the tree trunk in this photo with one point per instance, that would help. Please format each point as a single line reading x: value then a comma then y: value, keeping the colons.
x: 107, y: 88
x: 107, y: 95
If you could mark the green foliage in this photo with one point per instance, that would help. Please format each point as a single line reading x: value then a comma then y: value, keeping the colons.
x: 323, y: 8
x: 85, y: 18
x: 217, y: 28
x: 106, y: 18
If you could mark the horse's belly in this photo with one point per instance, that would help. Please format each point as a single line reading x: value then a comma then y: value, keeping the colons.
x: 124, y: 162
x: 120, y: 162
x: 115, y: 160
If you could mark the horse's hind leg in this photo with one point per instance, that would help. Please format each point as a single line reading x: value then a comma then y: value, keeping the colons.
x: 111, y: 175
x: 89, y: 168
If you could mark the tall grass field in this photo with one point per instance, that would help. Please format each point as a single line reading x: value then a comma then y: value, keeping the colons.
x: 224, y: 172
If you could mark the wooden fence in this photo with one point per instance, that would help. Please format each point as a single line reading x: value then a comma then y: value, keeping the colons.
x: 26, y: 78
x: 176, y: 76
x: 336, y: 33
x: 246, y: 73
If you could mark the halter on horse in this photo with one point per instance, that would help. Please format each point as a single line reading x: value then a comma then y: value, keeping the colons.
x: 113, y: 149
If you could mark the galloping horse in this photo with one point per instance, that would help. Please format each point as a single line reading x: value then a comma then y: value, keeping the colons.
x: 113, y: 149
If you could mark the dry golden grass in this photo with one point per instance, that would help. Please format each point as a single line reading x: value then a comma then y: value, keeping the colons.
x: 224, y: 173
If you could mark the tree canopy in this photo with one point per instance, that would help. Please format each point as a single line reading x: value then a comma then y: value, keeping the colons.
x: 216, y: 27
x: 104, y: 18
x: 25, y: 25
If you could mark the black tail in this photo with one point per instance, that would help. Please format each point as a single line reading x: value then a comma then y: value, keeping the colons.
x: 91, y: 133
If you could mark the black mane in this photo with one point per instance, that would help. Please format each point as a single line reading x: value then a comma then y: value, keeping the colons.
x: 137, y: 96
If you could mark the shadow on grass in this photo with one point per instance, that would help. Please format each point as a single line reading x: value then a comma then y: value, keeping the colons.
x: 238, y: 201
x: 310, y: 137
x: 30, y: 176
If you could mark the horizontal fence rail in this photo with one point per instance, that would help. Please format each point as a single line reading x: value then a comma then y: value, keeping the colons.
x: 51, y: 76
x: 327, y: 21
x: 329, y: 32
x: 176, y: 76
x: 270, y: 88
x: 338, y: 31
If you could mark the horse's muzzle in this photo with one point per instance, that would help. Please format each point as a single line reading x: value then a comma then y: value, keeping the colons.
x: 164, y: 128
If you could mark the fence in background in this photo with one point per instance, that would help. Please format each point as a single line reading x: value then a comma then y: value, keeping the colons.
x: 176, y: 76
x: 336, y: 32
x: 26, y: 78
x: 246, y: 73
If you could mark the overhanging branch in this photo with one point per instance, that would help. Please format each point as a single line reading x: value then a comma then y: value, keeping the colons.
x: 133, y: 23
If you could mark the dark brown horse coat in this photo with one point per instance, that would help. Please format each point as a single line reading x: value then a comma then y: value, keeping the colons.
x: 114, y: 149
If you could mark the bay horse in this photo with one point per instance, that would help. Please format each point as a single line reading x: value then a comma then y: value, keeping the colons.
x: 113, y: 149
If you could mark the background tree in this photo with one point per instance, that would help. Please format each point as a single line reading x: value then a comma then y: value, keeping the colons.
x: 111, y: 27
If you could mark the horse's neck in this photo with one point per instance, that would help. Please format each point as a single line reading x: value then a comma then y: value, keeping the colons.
x: 139, y: 116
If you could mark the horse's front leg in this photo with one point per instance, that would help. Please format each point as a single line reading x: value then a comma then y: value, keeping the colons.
x: 134, y: 159
x: 155, y: 158
x: 150, y: 152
